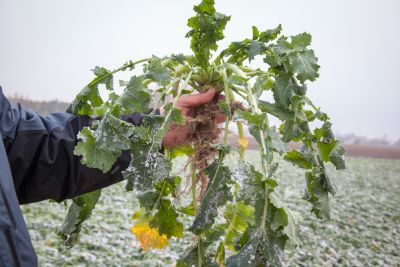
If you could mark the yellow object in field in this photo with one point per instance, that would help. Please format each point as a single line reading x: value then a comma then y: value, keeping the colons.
x: 149, y: 237
x: 243, y: 142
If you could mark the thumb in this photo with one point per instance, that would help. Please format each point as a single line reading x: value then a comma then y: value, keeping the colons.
x: 196, y: 99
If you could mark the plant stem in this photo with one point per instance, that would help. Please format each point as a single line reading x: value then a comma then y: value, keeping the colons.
x: 164, y: 125
x: 241, y: 136
x: 263, y: 150
x: 199, y: 252
x: 232, y: 222
x: 164, y: 92
x: 193, y: 176
x: 122, y: 68
x: 228, y: 95
x: 265, y: 210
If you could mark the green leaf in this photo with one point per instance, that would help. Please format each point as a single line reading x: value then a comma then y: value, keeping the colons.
x: 302, y: 160
x: 207, y: 29
x: 261, y: 249
x: 336, y: 156
x: 188, y: 210
x: 157, y: 72
x: 274, y: 141
x: 135, y: 97
x: 176, y: 114
x: 246, y: 49
x: 263, y: 83
x: 79, y: 211
x: 251, y: 118
x: 198, y: 250
x: 249, y: 180
x: 256, y: 32
x: 168, y: 186
x: 317, y: 193
x: 220, y: 256
x: 283, y: 217
x: 283, y: 90
x: 217, y: 194
x: 301, y: 41
x: 105, y: 76
x: 275, y: 110
x: 146, y: 168
x: 304, y: 65
x: 270, y: 35
x: 206, y: 6
x: 87, y: 99
x: 100, y: 148
x: 179, y: 151
x: 239, y: 217
x: 291, y: 131
x: 148, y: 199
x: 190, y: 257
x: 166, y: 220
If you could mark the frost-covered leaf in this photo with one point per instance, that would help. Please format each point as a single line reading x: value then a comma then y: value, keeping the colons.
x: 100, y: 148
x: 190, y: 257
x: 261, y: 249
x: 217, y: 194
x: 249, y: 180
x: 79, y: 211
x: 197, y: 252
x: 146, y: 168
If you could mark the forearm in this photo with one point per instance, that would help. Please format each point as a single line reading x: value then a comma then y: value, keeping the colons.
x: 41, y: 154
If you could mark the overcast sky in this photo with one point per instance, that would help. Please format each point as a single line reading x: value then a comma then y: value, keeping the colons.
x: 47, y: 47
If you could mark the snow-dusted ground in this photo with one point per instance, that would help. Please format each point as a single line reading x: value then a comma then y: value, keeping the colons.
x: 364, y: 231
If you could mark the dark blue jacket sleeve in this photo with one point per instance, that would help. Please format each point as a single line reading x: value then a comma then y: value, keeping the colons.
x: 40, y: 153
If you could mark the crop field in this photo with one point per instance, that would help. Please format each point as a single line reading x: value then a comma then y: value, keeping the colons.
x: 364, y: 230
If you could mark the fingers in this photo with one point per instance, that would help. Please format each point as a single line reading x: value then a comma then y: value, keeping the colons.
x: 197, y: 99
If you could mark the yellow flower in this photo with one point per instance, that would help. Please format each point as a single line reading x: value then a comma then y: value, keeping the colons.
x: 243, y: 142
x: 149, y: 237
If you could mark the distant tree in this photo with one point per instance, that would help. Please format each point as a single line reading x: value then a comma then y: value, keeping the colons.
x: 41, y: 107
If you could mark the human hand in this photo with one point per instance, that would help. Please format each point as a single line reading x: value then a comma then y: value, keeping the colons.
x: 189, y: 104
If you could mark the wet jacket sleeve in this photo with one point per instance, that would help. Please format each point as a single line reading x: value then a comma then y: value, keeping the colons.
x: 40, y: 153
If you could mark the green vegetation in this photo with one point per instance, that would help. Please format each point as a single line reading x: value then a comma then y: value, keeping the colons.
x: 363, y: 232
x: 237, y: 216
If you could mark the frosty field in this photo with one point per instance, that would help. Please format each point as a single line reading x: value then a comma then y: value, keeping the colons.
x: 364, y: 230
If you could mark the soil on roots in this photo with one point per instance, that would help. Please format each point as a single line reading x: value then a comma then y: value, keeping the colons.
x: 202, y: 131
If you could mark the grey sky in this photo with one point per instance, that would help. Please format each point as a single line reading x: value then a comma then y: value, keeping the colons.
x: 47, y: 47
